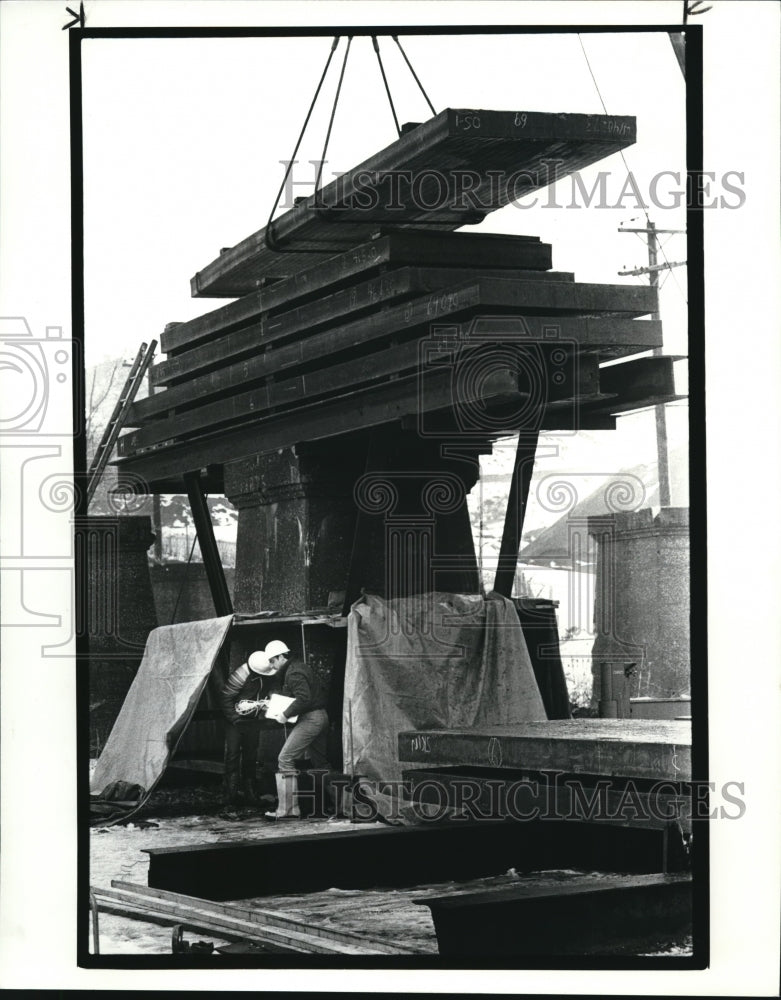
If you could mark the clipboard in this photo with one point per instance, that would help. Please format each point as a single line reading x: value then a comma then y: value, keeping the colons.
x: 278, y: 703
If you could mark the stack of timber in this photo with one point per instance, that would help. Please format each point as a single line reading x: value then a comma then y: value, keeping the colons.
x: 447, y: 172
x: 414, y: 324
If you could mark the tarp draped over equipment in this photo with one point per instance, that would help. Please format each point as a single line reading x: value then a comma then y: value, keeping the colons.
x: 433, y: 661
x: 162, y: 698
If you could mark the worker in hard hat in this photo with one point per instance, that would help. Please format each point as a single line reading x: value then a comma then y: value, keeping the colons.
x: 307, y: 738
x: 251, y: 681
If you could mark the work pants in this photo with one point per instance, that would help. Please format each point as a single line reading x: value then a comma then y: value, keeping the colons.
x: 308, y: 738
x: 241, y: 748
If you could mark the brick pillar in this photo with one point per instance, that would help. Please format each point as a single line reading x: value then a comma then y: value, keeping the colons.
x: 642, y: 600
x: 295, y: 526
x: 415, y: 533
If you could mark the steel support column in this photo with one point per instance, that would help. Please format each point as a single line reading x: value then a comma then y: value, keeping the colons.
x: 516, y: 509
x: 208, y: 543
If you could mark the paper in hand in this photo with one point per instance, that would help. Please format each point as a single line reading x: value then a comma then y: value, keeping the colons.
x: 277, y: 703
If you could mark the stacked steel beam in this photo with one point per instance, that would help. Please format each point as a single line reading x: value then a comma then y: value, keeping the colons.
x: 447, y: 172
x: 412, y: 322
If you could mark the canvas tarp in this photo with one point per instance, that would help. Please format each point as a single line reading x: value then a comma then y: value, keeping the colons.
x: 162, y: 698
x: 433, y: 661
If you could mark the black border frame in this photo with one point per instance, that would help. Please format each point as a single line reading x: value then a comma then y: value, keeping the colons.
x: 700, y: 959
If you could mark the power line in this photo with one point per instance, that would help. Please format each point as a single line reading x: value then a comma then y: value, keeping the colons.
x: 626, y: 165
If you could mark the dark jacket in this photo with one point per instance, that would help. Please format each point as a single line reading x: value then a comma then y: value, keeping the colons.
x: 244, y: 683
x: 300, y: 682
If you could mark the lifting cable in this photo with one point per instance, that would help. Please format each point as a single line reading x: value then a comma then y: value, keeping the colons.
x: 333, y: 114
x: 303, y: 129
x: 376, y: 45
x: 628, y: 171
x: 269, y: 238
x: 406, y: 60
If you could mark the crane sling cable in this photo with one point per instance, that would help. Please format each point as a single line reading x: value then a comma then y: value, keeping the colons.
x: 474, y: 218
x: 626, y: 166
x: 333, y: 115
x: 415, y: 75
x: 269, y: 237
x: 376, y: 45
x: 103, y: 452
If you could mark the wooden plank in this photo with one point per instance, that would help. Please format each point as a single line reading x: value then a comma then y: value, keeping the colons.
x: 257, y: 916
x: 506, y: 154
x: 205, y: 922
x: 395, y: 249
x: 126, y: 908
x: 353, y: 301
x: 299, y: 940
x: 555, y: 418
x: 398, y: 360
x: 526, y: 298
x: 362, y: 408
x: 300, y: 389
x: 162, y: 466
x: 521, y: 299
x: 627, y: 748
x: 576, y: 297
x: 604, y: 336
x: 401, y: 282
x: 347, y: 336
x: 527, y: 252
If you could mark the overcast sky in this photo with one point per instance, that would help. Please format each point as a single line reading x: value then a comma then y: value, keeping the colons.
x: 183, y: 140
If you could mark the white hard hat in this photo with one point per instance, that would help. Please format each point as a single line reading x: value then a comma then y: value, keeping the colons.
x: 258, y: 662
x: 275, y: 647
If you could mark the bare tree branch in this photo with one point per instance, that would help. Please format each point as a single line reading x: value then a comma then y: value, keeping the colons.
x: 94, y: 405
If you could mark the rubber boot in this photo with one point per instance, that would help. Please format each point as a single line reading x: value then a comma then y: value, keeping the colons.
x: 287, y: 791
x: 248, y: 790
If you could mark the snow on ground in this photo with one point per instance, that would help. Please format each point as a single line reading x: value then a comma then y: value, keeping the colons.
x: 116, y: 852
x: 390, y: 915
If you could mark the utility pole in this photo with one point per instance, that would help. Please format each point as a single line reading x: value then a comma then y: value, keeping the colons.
x: 653, y: 269
x: 662, y: 456
x: 157, y: 527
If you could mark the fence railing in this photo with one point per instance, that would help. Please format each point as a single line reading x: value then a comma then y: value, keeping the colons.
x: 176, y: 546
